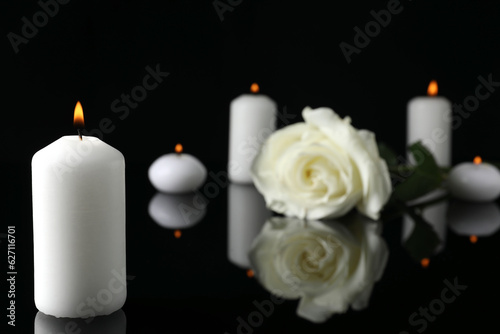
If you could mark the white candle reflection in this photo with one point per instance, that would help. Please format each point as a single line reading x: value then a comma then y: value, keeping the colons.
x: 177, y: 211
x: 247, y: 213
x: 434, y: 214
x: 474, y: 219
x: 115, y: 323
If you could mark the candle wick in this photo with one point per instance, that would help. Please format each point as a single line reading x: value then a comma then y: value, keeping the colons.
x: 79, y: 134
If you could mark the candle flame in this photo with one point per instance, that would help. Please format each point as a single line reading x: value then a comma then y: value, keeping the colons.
x: 432, y: 90
x: 477, y: 160
x: 178, y: 148
x: 250, y: 273
x: 78, y: 121
x: 254, y: 88
x: 177, y: 234
x: 425, y: 262
x: 473, y: 239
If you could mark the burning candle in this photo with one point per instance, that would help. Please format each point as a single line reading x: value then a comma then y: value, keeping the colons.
x: 474, y: 181
x: 177, y: 172
x: 78, y: 186
x: 428, y: 122
x: 252, y: 118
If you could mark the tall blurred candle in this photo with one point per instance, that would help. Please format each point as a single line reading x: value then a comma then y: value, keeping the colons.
x: 78, y: 186
x: 428, y: 121
x: 252, y: 118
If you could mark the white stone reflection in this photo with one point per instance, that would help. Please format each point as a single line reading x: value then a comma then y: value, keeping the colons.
x: 247, y: 213
x: 177, y: 211
x: 434, y: 214
x: 115, y: 323
x: 474, y: 219
x: 330, y: 266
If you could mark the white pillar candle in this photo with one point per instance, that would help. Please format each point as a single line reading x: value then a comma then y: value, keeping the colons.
x: 474, y: 181
x: 252, y: 119
x: 78, y: 189
x: 428, y: 121
x: 247, y: 213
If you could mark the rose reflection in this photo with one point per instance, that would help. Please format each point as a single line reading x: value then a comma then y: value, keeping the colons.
x: 328, y: 265
x: 473, y: 219
x: 247, y: 213
x: 115, y: 323
x: 177, y: 211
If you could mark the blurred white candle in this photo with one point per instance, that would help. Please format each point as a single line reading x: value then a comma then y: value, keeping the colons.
x: 78, y: 189
x: 252, y: 119
x: 474, y: 181
x: 177, y: 172
x: 428, y: 121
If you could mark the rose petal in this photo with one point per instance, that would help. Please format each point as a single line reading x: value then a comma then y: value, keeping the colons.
x: 362, y: 149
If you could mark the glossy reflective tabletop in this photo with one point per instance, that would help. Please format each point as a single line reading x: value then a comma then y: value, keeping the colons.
x: 188, y: 269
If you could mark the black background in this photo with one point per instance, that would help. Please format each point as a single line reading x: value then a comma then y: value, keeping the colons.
x: 95, y: 51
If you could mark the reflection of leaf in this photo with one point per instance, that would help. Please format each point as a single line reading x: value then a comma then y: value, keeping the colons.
x: 392, y: 210
x: 416, y: 181
x: 426, y: 176
x: 423, y: 239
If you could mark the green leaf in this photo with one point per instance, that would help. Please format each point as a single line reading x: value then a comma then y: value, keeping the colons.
x: 387, y: 154
x: 425, y: 177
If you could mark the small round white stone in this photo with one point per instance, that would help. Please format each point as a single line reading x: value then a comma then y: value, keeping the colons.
x: 177, y: 173
x: 474, y: 182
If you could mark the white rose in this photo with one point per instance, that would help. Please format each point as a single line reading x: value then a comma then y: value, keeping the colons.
x: 328, y: 265
x: 322, y: 168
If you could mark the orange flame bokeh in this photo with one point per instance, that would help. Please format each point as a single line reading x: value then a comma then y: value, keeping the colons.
x: 78, y: 121
x: 254, y: 88
x: 432, y: 90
